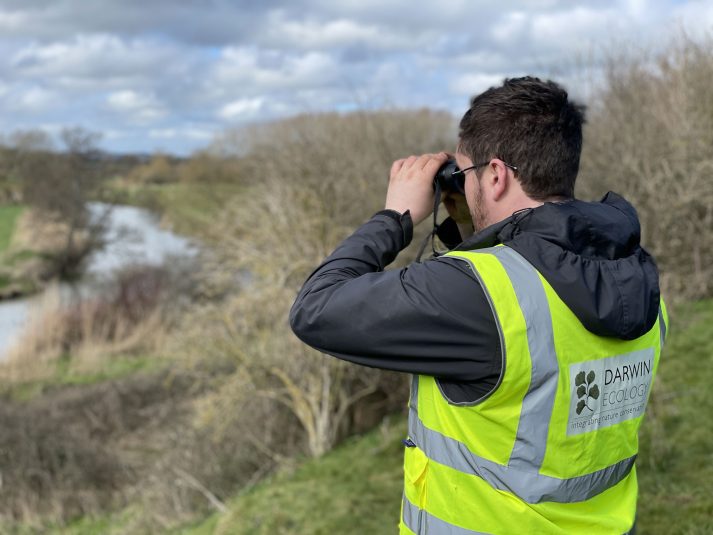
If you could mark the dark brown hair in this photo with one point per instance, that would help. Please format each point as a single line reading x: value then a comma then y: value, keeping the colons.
x: 531, y: 124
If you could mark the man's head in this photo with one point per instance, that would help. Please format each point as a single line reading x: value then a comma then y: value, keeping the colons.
x: 528, y: 124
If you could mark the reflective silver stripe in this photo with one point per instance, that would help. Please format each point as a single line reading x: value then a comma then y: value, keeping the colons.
x: 411, y: 514
x: 536, y: 411
x: 413, y: 399
x: 531, y: 487
x: 422, y: 522
x: 662, y: 326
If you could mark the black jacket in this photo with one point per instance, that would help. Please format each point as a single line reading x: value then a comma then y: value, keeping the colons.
x: 433, y: 318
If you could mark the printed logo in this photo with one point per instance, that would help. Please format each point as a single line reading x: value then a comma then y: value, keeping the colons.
x: 586, y: 387
x: 605, y: 392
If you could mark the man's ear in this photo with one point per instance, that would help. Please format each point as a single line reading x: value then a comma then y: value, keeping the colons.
x: 499, y: 179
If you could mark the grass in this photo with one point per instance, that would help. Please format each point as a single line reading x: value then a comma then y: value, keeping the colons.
x: 8, y: 219
x: 22, y: 255
x: 64, y: 374
x: 103, y: 525
x: 676, y: 460
x: 12, y: 278
x: 357, y: 487
x: 189, y: 207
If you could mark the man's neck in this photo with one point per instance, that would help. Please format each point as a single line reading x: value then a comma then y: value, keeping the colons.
x: 509, y: 208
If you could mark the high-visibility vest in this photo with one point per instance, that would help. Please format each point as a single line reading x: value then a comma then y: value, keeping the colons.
x: 551, y: 449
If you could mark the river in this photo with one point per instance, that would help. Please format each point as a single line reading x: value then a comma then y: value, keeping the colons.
x: 132, y: 235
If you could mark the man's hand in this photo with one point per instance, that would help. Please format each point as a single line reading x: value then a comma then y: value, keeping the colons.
x: 411, y: 185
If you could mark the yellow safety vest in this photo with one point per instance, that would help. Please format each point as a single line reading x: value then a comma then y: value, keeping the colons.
x: 552, y: 448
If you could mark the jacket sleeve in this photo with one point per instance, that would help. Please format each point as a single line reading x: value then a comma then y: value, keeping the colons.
x: 429, y: 318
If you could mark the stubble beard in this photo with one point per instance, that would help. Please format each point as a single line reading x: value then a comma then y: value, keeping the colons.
x: 479, y: 213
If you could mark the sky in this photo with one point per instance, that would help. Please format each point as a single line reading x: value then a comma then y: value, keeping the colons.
x: 170, y: 75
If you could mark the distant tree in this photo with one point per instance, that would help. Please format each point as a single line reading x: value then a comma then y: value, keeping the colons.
x: 13, y: 149
x: 160, y: 169
x: 35, y: 163
x: 206, y: 167
x: 30, y: 140
x: 58, y: 185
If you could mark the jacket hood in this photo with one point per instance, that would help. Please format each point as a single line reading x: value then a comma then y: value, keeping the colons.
x: 590, y: 253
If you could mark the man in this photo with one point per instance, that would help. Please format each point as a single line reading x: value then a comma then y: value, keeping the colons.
x: 533, y: 343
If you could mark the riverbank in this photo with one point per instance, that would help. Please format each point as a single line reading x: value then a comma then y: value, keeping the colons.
x: 103, y: 311
x: 29, y: 245
x: 187, y: 208
x: 14, y: 260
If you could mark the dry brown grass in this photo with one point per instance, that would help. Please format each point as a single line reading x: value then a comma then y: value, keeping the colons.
x: 126, y: 317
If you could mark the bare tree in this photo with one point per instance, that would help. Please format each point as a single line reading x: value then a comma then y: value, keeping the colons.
x: 58, y: 185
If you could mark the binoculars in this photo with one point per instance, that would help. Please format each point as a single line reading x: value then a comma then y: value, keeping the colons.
x: 450, y: 178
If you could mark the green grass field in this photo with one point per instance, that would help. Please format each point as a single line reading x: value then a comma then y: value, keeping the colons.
x: 63, y: 374
x: 12, y: 276
x: 354, y: 489
x: 676, y: 459
x: 189, y: 207
x: 8, y: 219
x: 192, y: 207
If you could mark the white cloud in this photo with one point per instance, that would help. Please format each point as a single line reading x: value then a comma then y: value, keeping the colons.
x: 321, y: 35
x: 570, y: 29
x: 11, y: 20
x: 244, y: 108
x: 696, y: 17
x: 99, y: 61
x: 142, y: 107
x: 470, y: 84
x: 35, y: 99
x: 187, y: 132
x: 252, y: 72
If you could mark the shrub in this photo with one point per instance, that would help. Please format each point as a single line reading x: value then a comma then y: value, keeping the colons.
x: 74, y: 451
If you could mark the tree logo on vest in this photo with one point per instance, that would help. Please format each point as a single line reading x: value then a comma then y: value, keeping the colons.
x: 586, y: 387
x: 607, y: 391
